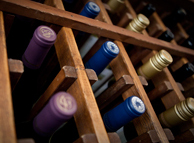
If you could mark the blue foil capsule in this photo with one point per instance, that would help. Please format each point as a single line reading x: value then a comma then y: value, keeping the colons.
x: 90, y: 10
x: 125, y: 112
x: 103, y: 57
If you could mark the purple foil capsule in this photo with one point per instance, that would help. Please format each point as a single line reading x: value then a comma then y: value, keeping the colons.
x: 60, y: 108
x: 41, y: 42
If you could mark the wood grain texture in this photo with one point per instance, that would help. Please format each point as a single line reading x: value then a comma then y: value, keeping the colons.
x: 63, y: 18
x: 7, y: 126
x: 16, y: 70
x: 64, y: 79
x: 122, y: 65
x: 110, y: 94
x: 88, y: 119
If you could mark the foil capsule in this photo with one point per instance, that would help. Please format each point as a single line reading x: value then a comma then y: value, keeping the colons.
x: 177, y: 114
x: 155, y: 64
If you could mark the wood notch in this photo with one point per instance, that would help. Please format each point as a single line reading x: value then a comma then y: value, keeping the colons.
x: 143, y: 81
x: 64, y: 79
x: 25, y: 141
x: 118, y: 88
x: 160, y: 90
x: 91, y: 138
x: 91, y: 76
x: 180, y: 86
x: 16, y: 70
x: 187, y: 136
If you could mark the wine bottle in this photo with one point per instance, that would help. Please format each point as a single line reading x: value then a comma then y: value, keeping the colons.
x: 176, y: 16
x: 119, y: 116
x: 155, y: 64
x: 183, y: 72
x: 90, y: 10
x: 148, y: 10
x: 166, y: 36
x: 60, y: 108
x: 41, y: 42
x: 102, y: 57
x: 115, y: 5
x: 24, y: 94
x: 189, y: 43
x: 177, y: 114
x: 138, y: 24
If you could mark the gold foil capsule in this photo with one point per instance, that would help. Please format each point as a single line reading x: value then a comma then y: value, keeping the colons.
x: 138, y: 24
x: 115, y: 5
x: 177, y: 114
x: 155, y: 64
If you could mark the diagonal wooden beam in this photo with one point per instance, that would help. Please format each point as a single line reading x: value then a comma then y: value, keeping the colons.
x: 71, y: 20
x: 7, y: 126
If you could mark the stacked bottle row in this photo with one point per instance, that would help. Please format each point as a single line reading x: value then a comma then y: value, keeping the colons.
x: 44, y: 38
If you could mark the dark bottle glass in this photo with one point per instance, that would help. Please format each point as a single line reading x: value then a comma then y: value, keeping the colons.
x: 103, y: 57
x: 125, y: 112
x: 183, y: 72
x: 166, y: 36
x: 60, y: 108
x: 24, y: 94
x: 148, y: 10
x: 189, y: 43
x: 176, y: 16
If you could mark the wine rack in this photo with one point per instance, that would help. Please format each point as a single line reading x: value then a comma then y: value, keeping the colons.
x: 76, y: 80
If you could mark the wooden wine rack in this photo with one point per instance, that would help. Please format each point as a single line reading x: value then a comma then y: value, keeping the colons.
x: 76, y: 80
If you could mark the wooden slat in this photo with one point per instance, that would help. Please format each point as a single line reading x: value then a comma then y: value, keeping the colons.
x: 16, y: 70
x: 161, y: 90
x: 88, y: 119
x: 118, y: 88
x: 7, y: 126
x: 64, y: 79
x: 122, y: 65
x: 60, y: 17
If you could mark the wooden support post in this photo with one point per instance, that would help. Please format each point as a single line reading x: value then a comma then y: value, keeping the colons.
x: 7, y: 132
x: 110, y: 94
x: 16, y: 70
x: 64, y: 79
x: 88, y: 119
